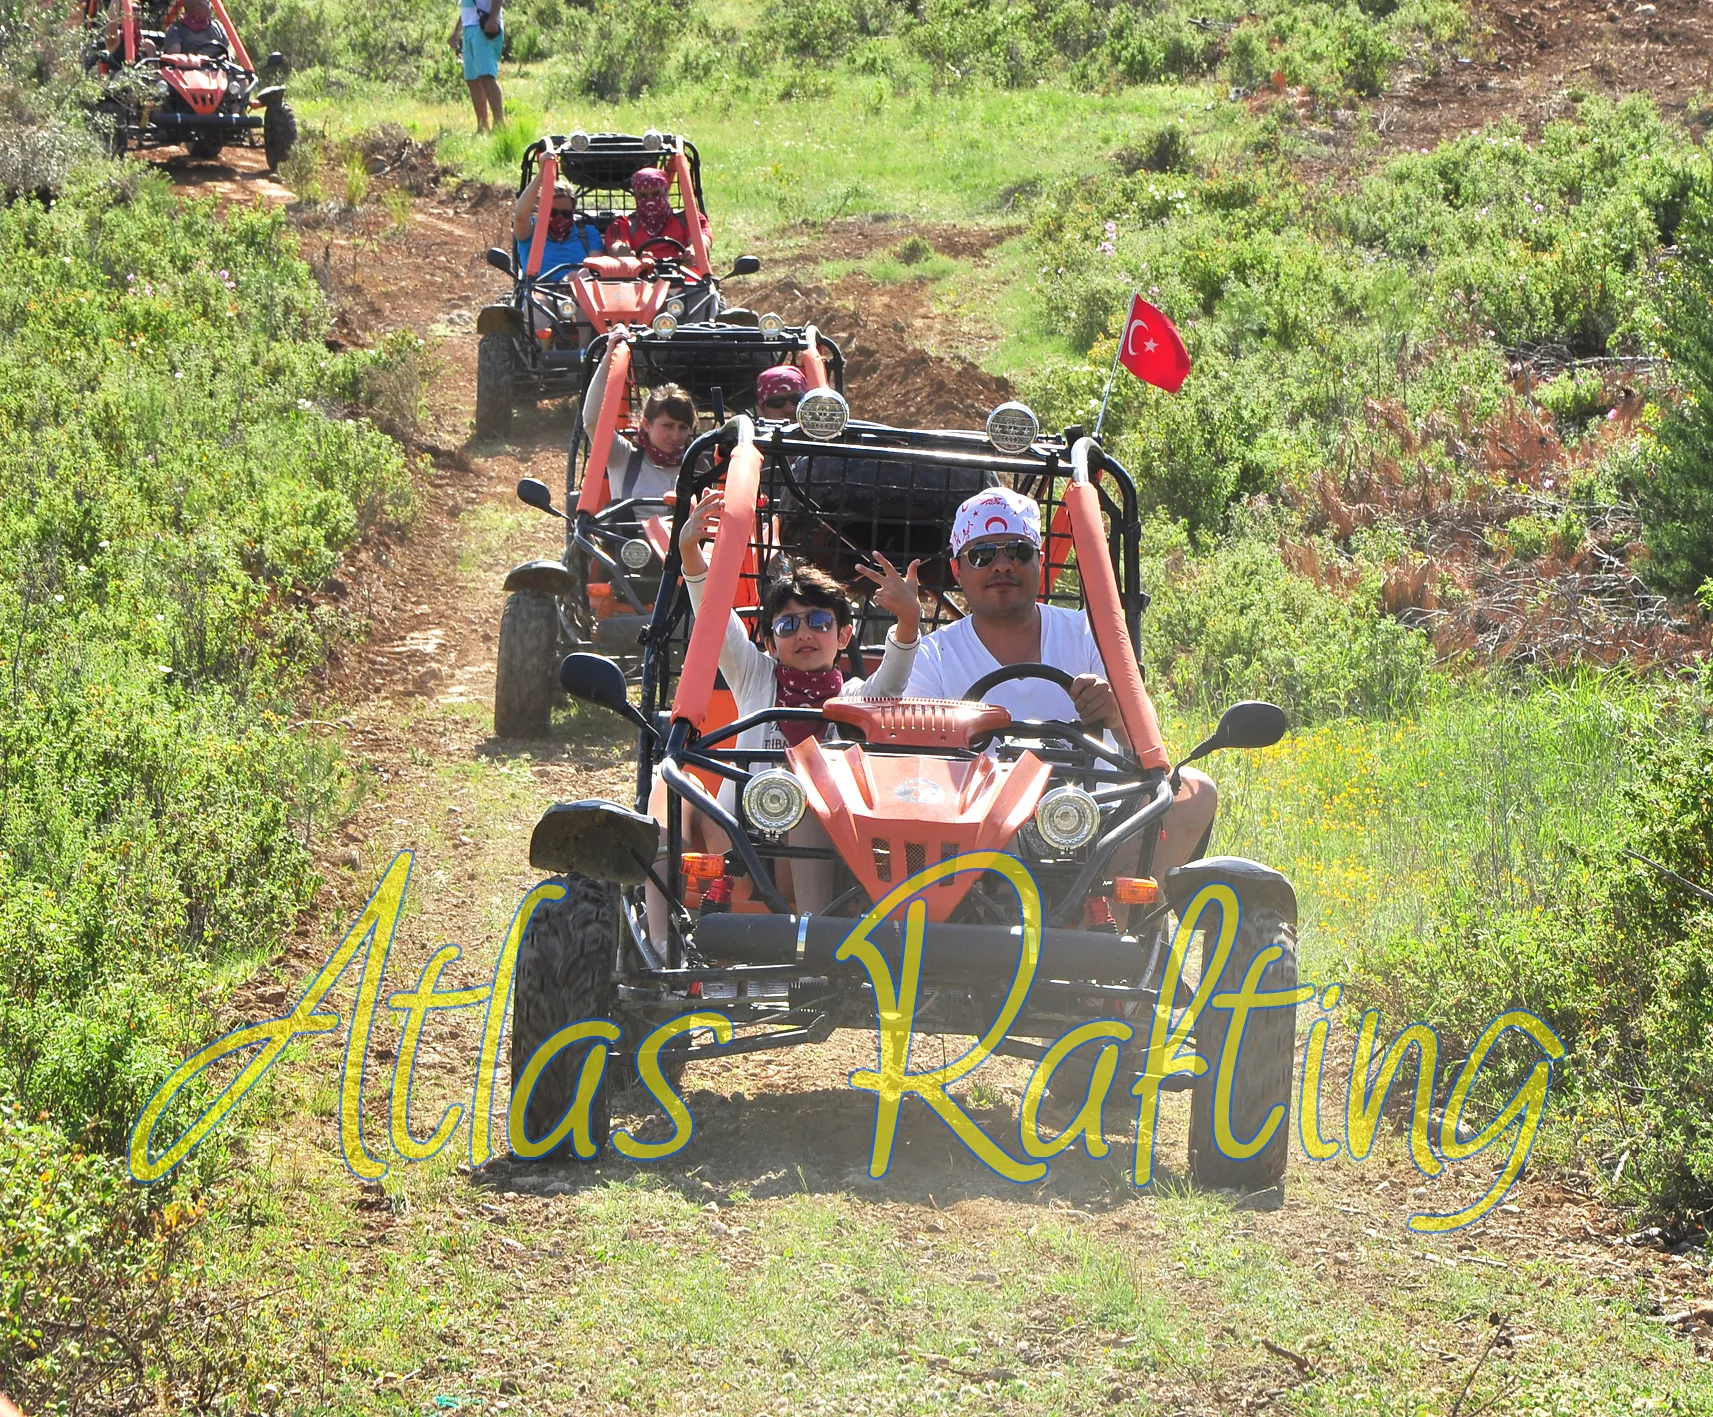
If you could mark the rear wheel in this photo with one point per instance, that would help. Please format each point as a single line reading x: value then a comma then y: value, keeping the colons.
x: 1263, y: 1076
x: 564, y: 975
x: 279, y: 133
x: 523, y: 678
x: 496, y: 381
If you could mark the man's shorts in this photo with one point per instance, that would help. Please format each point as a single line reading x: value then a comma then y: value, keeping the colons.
x: 481, y: 54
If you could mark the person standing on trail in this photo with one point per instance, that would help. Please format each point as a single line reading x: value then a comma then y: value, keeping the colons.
x: 996, y: 561
x: 653, y: 221
x: 647, y: 468
x: 478, y: 37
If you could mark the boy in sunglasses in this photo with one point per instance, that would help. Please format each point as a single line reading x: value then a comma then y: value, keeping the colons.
x: 996, y: 561
x: 806, y: 620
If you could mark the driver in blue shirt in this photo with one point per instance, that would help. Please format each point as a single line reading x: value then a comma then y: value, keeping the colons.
x: 569, y: 242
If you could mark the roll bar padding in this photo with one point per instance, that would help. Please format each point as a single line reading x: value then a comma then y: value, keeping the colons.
x: 596, y: 493
x: 725, y: 566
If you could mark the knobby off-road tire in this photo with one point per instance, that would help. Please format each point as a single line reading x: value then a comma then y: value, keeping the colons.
x: 279, y: 133
x: 523, y: 678
x: 1263, y: 1077
x: 204, y: 149
x: 496, y: 393
x: 564, y: 975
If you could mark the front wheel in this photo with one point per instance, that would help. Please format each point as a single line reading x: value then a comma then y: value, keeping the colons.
x: 203, y: 149
x: 523, y: 678
x: 496, y: 385
x: 279, y: 133
x: 564, y: 975
x: 1262, y: 1080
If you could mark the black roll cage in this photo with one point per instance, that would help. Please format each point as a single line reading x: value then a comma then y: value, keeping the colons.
x: 1134, y: 800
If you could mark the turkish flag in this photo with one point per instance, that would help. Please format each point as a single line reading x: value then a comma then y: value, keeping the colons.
x: 1151, y: 348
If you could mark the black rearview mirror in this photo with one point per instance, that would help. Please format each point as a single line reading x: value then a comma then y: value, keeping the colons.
x: 744, y: 266
x: 274, y: 60
x: 595, y: 679
x: 501, y: 260
x: 1251, y: 724
x: 533, y: 491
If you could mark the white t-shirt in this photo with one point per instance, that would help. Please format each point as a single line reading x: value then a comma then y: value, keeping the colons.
x: 650, y: 480
x: 953, y: 658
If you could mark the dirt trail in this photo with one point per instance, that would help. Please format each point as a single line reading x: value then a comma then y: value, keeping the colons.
x: 411, y: 704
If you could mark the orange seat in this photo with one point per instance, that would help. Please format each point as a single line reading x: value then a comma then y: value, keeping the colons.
x: 918, y: 723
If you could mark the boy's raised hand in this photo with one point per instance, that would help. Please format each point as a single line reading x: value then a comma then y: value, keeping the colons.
x: 700, y: 526
x: 897, y: 596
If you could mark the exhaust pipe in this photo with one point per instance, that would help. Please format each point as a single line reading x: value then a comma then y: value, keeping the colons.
x: 961, y: 954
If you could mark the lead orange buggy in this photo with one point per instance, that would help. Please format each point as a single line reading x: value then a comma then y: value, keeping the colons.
x: 898, y: 786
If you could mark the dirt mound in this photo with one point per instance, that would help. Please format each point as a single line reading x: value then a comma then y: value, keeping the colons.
x: 886, y: 332
x: 1525, y: 61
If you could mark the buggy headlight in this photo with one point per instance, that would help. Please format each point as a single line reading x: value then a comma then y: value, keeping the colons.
x: 775, y: 801
x: 163, y: 89
x: 770, y: 325
x: 636, y: 553
x: 675, y: 308
x: 664, y: 323
x: 1012, y: 427
x: 578, y: 142
x: 234, y: 83
x: 1067, y: 818
x: 652, y: 141
x: 823, y: 413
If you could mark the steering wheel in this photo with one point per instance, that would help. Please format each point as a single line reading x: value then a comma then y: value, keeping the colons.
x: 678, y: 247
x: 1007, y: 672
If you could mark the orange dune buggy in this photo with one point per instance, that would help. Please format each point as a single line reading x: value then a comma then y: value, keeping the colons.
x: 600, y: 592
x: 533, y: 345
x: 156, y: 100
x: 898, y: 785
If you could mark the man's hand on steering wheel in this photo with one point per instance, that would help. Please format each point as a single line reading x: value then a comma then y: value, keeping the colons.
x: 1096, y: 704
x: 642, y: 248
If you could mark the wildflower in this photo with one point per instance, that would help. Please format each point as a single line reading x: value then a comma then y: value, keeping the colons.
x: 1106, y: 248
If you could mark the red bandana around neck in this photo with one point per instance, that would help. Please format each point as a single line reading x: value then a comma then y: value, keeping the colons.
x: 559, y: 227
x: 653, y: 454
x: 803, y: 688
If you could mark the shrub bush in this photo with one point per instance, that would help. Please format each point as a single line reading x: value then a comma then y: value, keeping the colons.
x: 178, y: 476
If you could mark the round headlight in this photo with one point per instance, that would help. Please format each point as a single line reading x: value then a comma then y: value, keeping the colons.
x: 1012, y: 427
x: 578, y: 142
x: 770, y: 324
x: 234, y: 83
x: 775, y: 801
x: 664, y: 323
x: 652, y: 141
x: 1067, y: 818
x: 675, y: 308
x: 823, y: 413
x: 636, y: 553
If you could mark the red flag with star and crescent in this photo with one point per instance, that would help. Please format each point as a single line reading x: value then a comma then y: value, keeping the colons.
x: 1151, y: 348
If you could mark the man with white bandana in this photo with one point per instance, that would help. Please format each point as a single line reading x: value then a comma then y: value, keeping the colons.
x: 996, y: 561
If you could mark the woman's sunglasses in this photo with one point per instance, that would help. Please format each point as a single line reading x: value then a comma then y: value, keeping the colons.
x: 820, y: 621
x: 1019, y: 553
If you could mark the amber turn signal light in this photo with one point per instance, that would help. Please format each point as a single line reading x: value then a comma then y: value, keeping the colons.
x: 702, y: 865
x: 1136, y: 890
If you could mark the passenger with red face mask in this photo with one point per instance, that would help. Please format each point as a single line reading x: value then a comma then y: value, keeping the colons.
x: 570, y: 239
x: 196, y: 31
x: 652, y: 221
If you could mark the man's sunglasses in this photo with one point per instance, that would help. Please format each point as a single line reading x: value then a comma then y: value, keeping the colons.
x: 1019, y: 553
x: 785, y: 401
x: 820, y: 621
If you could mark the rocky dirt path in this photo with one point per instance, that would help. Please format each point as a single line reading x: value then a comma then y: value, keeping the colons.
x: 388, y: 1287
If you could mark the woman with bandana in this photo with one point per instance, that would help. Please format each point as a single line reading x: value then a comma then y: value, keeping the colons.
x: 569, y: 241
x: 653, y: 221
x: 648, y: 467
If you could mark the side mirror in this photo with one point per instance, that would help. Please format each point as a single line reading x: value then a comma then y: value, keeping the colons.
x: 744, y: 266
x: 595, y: 679
x: 501, y: 260
x: 274, y: 60
x: 1251, y: 724
x: 533, y: 491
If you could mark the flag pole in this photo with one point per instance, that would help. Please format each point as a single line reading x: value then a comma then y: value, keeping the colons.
x: 1112, y: 373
